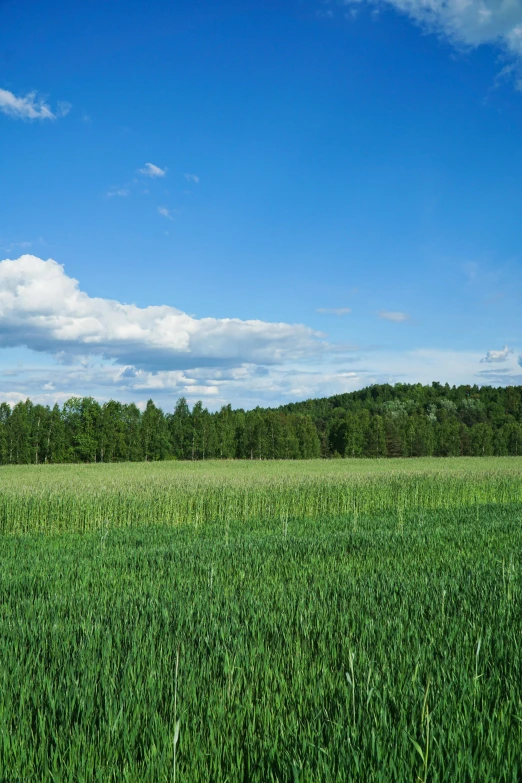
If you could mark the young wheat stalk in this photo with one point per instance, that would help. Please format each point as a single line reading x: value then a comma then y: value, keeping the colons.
x: 176, y: 721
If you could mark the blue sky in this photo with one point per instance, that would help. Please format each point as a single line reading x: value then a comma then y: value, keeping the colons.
x: 254, y: 202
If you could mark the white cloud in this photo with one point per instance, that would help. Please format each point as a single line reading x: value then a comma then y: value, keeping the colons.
x: 396, y: 317
x: 333, y: 310
x: 47, y: 398
x: 497, y: 356
x: 245, y: 385
x: 249, y: 385
x: 468, y: 22
x: 28, y: 374
x: 152, y: 171
x: 192, y: 178
x: 44, y: 309
x: 166, y: 212
x: 80, y: 345
x: 30, y: 107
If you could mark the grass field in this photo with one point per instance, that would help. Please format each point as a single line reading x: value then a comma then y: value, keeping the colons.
x: 56, y: 498
x: 339, y: 621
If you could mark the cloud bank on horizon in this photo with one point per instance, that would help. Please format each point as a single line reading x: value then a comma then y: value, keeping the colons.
x: 110, y: 349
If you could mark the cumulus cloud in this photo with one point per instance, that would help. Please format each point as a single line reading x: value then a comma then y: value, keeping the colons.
x: 152, y: 171
x: 29, y: 107
x: 166, y: 212
x: 390, y: 315
x: 333, y: 310
x: 497, y: 356
x: 44, y: 309
x: 192, y: 178
x: 468, y: 22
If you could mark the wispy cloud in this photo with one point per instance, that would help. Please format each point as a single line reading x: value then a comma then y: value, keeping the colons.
x: 471, y: 23
x: 192, y: 178
x: 64, y: 107
x: 16, y: 246
x: 166, y: 212
x: 13, y: 245
x: 334, y: 310
x: 152, y: 171
x: 497, y: 356
x: 118, y: 192
x: 395, y: 316
x: 29, y: 107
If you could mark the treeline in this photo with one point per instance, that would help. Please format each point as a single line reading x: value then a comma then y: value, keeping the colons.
x: 381, y: 421
x: 411, y: 420
x: 82, y: 430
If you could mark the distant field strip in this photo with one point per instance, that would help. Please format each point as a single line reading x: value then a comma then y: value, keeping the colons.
x: 86, y: 497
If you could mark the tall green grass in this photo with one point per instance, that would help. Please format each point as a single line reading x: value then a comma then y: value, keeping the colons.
x: 83, y: 498
x: 315, y: 651
x: 293, y: 622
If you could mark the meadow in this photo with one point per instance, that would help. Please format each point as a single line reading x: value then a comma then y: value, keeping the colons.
x: 312, y: 621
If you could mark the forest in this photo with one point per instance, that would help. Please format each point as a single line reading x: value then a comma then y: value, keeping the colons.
x: 404, y: 420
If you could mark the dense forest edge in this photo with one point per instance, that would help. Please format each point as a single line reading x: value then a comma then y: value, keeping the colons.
x: 404, y: 420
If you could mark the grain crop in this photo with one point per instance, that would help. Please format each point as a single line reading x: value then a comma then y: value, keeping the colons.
x: 50, y: 498
x: 254, y: 628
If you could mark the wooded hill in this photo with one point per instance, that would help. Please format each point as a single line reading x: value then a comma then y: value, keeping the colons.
x: 404, y: 420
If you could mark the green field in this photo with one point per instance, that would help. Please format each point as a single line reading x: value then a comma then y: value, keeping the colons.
x: 65, y: 498
x: 311, y: 621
